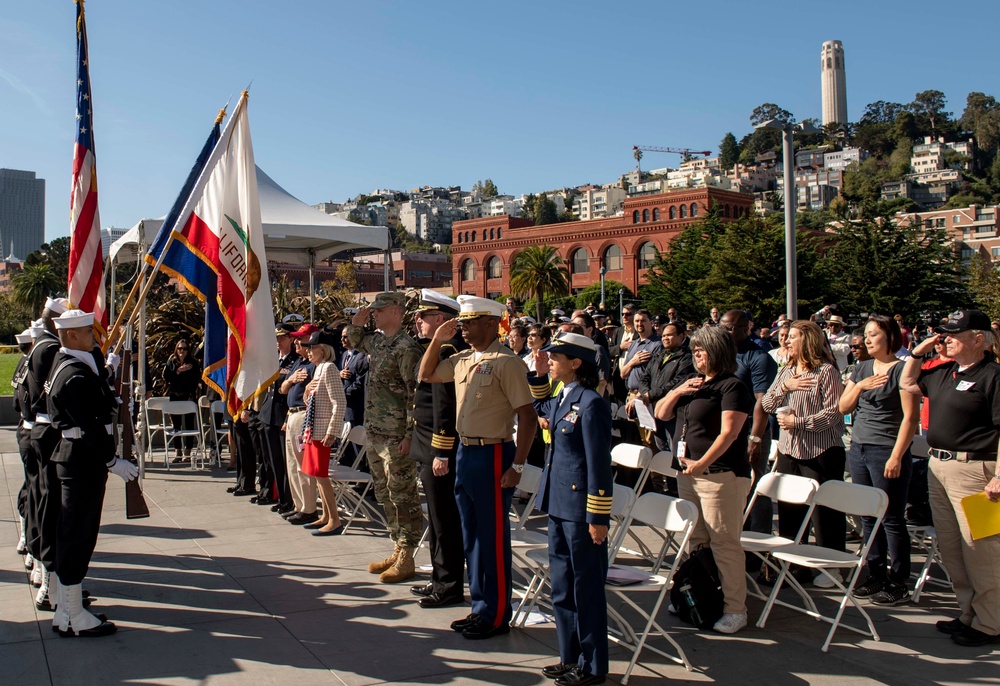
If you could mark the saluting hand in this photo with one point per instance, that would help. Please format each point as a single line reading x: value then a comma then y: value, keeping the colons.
x: 446, y: 331
x: 361, y: 318
x: 927, y: 345
x: 542, y: 363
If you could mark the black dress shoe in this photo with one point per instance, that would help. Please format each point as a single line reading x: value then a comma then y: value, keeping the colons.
x: 289, y: 513
x: 240, y: 492
x: 460, y: 625
x: 557, y: 670
x: 578, y: 677
x: 231, y: 489
x: 437, y: 600
x: 422, y: 590
x: 263, y: 501
x: 974, y: 638
x: 105, y: 628
x: 950, y: 626
x: 481, y: 630
x: 302, y: 518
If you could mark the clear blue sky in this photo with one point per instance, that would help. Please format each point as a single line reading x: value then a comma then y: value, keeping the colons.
x: 348, y: 97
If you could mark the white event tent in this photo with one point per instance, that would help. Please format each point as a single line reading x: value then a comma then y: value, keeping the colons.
x: 294, y: 233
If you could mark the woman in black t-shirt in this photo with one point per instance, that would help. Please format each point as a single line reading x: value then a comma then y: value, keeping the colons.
x: 710, y: 449
x: 183, y: 376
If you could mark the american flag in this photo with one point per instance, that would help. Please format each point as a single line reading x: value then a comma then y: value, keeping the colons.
x: 86, y: 263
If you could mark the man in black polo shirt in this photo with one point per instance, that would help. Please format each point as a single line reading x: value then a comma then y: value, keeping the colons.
x: 963, y: 432
x: 756, y: 369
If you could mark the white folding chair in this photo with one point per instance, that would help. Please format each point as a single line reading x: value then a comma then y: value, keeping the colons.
x: 154, y: 422
x: 220, y: 433
x: 523, y: 539
x: 925, y: 538
x: 181, y: 408
x: 634, y: 457
x: 622, y: 502
x: 784, y: 488
x: 664, y: 514
x: 849, y: 498
x: 344, y: 480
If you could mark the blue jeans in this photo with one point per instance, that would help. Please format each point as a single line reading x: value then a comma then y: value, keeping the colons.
x: 867, y: 466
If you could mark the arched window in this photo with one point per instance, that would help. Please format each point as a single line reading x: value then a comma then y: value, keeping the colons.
x: 694, y: 209
x: 647, y: 253
x: 684, y: 211
x: 466, y: 236
x: 613, y: 259
x: 484, y: 234
x: 499, y: 233
x: 656, y: 214
x: 635, y: 217
x: 727, y: 210
x: 645, y: 215
x: 673, y: 212
x: 581, y: 261
x: 459, y: 236
x: 468, y: 270
x: 493, y: 268
x: 473, y: 236
x: 491, y: 234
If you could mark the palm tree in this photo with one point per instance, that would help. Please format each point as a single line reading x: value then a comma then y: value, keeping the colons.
x: 33, y: 285
x: 539, y: 271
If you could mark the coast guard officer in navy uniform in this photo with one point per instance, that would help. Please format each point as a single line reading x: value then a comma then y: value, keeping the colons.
x: 576, y: 490
x: 491, y: 388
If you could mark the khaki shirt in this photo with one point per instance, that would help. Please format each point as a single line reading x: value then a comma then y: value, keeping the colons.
x: 487, y: 390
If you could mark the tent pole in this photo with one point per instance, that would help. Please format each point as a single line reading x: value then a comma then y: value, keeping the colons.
x: 387, y: 258
x: 111, y: 300
x: 312, y: 285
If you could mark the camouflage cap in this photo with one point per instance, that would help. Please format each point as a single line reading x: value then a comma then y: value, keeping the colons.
x: 388, y: 298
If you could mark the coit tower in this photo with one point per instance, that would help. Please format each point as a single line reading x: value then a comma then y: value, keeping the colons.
x: 834, y: 83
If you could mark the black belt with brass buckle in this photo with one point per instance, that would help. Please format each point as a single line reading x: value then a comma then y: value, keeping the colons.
x: 479, y: 441
x: 960, y: 455
x: 293, y: 410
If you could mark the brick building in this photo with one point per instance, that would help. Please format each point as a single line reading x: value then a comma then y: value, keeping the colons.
x: 483, y: 249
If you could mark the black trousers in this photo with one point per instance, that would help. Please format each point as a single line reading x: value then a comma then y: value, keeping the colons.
x: 444, y: 536
x: 264, y: 475
x: 246, y: 456
x: 274, y: 441
x: 23, y: 446
x: 830, y: 526
x: 43, y: 496
x: 81, y: 499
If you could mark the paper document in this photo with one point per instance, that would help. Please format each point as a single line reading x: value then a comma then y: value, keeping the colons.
x: 644, y: 416
x: 983, y: 515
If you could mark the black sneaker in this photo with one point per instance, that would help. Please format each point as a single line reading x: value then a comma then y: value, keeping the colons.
x: 973, y: 638
x: 892, y: 594
x: 869, y: 588
x: 950, y: 626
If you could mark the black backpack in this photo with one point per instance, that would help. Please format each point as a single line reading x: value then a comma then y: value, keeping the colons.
x: 697, y: 592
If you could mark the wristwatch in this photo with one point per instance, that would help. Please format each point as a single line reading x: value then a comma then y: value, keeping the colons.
x: 754, y: 439
x: 519, y: 468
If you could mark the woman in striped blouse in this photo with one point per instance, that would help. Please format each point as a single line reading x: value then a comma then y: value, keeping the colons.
x: 807, y: 391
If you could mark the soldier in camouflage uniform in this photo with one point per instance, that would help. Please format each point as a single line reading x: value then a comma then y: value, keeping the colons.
x: 392, y: 378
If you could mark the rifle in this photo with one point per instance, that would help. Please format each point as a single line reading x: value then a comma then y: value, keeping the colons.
x: 135, y: 503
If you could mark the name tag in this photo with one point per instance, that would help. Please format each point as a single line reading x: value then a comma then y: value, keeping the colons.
x: 965, y: 385
x: 681, y: 450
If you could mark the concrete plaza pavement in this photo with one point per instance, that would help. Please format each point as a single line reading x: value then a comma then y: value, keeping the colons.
x: 213, y: 590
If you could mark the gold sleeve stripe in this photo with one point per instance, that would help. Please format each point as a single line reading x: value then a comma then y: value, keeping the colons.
x: 539, y: 391
x: 598, y: 499
x: 442, y: 442
x: 600, y: 511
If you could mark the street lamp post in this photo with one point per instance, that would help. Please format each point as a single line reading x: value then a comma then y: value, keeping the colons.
x: 621, y: 298
x: 790, y: 200
x: 604, y: 271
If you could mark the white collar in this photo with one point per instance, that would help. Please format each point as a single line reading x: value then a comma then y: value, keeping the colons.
x: 85, y: 357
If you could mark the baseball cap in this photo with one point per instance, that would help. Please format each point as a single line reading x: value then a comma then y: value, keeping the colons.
x: 965, y: 320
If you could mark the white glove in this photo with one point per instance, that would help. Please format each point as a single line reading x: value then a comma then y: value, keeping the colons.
x: 112, y: 361
x: 123, y: 468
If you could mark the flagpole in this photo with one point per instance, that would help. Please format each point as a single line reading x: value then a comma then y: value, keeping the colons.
x: 147, y: 284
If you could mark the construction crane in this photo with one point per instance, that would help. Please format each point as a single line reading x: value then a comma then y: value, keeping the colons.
x: 685, y: 153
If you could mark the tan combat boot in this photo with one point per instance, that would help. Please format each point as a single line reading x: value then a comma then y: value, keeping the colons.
x: 382, y: 565
x: 401, y: 570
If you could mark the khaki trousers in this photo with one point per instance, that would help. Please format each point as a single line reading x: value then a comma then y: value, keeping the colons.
x: 974, y: 566
x: 720, y: 499
x: 303, y: 487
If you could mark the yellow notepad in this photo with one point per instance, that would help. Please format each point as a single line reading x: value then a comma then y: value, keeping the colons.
x: 982, y: 514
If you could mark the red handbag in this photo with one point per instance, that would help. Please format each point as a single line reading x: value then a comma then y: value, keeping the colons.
x: 316, y: 459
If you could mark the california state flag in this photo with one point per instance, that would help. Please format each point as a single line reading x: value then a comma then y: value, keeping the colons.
x: 221, y: 224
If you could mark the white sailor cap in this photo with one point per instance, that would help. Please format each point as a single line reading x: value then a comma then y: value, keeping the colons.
x: 432, y: 300
x: 58, y: 305
x: 473, y: 307
x: 23, y: 337
x: 74, y: 319
x: 37, y: 328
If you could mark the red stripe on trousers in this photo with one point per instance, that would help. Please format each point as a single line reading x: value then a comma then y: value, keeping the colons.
x: 500, y: 518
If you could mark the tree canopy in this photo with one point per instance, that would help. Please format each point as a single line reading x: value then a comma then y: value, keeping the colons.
x: 536, y: 272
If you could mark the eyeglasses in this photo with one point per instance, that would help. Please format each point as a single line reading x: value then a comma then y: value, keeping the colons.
x: 532, y: 335
x: 728, y: 327
x: 857, y: 347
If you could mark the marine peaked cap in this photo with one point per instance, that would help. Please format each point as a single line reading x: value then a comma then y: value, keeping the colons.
x: 473, y: 307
